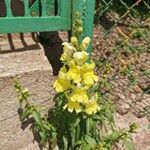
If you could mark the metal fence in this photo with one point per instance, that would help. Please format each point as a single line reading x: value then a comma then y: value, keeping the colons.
x: 117, y: 11
x: 123, y: 55
x: 38, y: 16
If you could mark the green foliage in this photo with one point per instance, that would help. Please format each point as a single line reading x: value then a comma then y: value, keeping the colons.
x: 70, y: 130
x: 140, y: 33
x: 127, y: 71
x: 40, y: 125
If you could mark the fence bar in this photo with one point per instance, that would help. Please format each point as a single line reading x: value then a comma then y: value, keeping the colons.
x: 26, y: 5
x: 33, y: 24
x: 8, y: 7
x: 44, y: 11
x: 42, y: 21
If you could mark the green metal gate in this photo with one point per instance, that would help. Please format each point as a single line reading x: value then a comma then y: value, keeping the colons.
x: 31, y: 22
x: 47, y: 15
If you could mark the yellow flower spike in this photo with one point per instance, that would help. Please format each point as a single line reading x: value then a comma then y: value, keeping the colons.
x: 92, y: 107
x: 61, y: 85
x: 78, y: 77
x: 80, y: 57
x: 73, y: 106
x: 79, y: 95
x: 85, y: 44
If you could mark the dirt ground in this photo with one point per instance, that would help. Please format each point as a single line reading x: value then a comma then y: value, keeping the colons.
x: 130, y: 92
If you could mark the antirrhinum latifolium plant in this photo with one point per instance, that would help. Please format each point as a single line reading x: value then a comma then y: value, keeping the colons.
x: 80, y: 112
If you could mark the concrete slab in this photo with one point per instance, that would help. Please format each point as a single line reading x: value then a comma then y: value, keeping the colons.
x: 33, y: 70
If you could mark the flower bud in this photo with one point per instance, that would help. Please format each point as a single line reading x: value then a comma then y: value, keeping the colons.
x: 68, y: 48
x: 80, y: 57
x: 80, y: 30
x: 85, y: 44
x: 79, y: 22
x: 74, y: 41
x: 86, y: 40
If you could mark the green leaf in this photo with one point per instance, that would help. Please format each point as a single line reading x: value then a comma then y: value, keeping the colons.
x: 25, y: 90
x: 25, y: 114
x: 129, y: 145
x: 90, y: 140
x: 53, y: 136
x: 97, y: 117
x: 77, y: 122
x: 87, y: 147
x: 65, y: 143
x: 87, y: 125
x: 37, y: 117
x: 78, y: 143
x: 43, y: 137
x: 46, y: 126
x: 94, y: 88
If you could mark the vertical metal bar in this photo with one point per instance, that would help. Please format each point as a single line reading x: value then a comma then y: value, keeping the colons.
x: 88, y: 23
x: 44, y: 10
x: 86, y: 9
x: 59, y: 8
x: 64, y: 7
x: 65, y: 12
x: 26, y: 6
x: 77, y: 6
x: 8, y: 7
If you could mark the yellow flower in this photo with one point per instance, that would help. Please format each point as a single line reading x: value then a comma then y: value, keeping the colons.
x: 85, y: 44
x: 89, y: 78
x: 80, y: 57
x: 87, y: 74
x: 88, y: 66
x: 92, y: 107
x: 68, y: 51
x: 74, y: 74
x: 71, y: 63
x: 73, y: 106
x: 86, y: 40
x: 79, y: 95
x: 61, y: 85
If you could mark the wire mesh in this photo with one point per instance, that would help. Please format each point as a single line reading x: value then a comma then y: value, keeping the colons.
x: 122, y: 53
x: 119, y: 10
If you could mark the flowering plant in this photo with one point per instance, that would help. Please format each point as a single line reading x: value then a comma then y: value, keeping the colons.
x: 80, y: 113
x: 76, y: 77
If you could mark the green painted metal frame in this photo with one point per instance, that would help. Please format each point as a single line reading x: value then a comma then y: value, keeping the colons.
x: 63, y: 21
x: 28, y: 23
